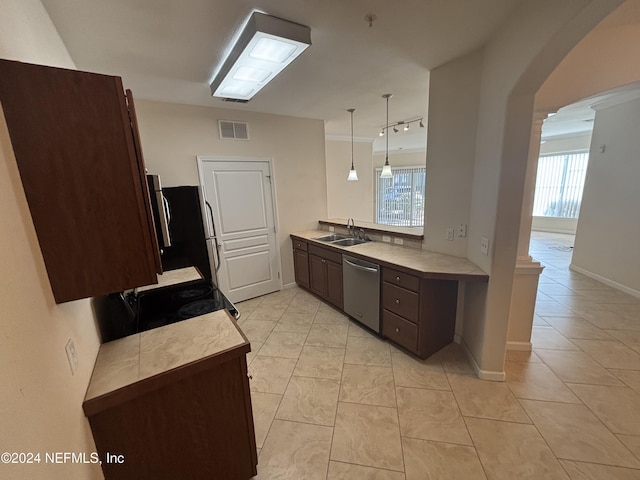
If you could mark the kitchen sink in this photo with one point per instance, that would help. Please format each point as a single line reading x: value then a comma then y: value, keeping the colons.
x: 332, y: 238
x: 348, y: 242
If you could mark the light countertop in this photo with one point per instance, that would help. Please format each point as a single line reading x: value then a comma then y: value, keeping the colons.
x: 421, y: 261
x: 173, y: 277
x: 126, y: 361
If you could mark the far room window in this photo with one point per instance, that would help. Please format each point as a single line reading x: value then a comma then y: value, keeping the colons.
x: 400, y: 199
x: 559, y: 184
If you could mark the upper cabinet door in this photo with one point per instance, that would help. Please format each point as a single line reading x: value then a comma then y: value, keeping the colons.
x: 83, y: 178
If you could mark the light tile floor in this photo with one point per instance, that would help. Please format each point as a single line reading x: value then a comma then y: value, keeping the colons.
x: 331, y: 401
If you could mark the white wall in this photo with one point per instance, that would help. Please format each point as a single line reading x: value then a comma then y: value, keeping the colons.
x: 454, y: 102
x: 606, y: 243
x: 350, y: 199
x: 41, y: 402
x: 515, y: 62
x: 173, y: 135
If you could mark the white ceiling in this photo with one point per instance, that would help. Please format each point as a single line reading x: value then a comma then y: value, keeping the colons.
x: 168, y: 49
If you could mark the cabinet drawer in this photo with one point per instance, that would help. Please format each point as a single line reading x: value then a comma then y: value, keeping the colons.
x: 326, y: 253
x: 401, y: 301
x: 410, y: 282
x: 299, y: 245
x: 400, y: 331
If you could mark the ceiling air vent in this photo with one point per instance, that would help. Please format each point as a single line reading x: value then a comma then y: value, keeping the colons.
x: 233, y: 130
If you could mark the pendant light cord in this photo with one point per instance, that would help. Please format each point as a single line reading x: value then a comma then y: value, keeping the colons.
x: 352, y: 110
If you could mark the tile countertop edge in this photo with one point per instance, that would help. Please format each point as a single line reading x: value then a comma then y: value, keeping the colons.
x: 118, y: 392
x: 395, y: 256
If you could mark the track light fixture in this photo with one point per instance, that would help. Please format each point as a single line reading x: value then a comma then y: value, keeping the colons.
x: 405, y: 124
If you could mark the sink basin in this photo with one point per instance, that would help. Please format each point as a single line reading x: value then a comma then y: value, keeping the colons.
x: 348, y: 242
x: 331, y: 238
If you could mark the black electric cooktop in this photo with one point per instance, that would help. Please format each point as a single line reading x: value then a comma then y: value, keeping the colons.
x: 156, y: 308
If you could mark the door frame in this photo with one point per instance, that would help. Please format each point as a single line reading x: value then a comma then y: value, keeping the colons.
x: 202, y: 159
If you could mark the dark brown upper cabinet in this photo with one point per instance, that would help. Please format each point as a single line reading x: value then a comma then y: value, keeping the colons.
x: 75, y: 139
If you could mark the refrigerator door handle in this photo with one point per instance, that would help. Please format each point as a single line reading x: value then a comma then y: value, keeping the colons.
x: 216, y: 255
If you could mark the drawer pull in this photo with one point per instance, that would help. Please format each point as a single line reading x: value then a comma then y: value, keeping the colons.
x: 299, y: 244
x: 397, y: 330
x: 398, y: 279
x: 397, y: 301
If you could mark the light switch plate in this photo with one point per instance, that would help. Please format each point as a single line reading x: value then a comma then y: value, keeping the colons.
x: 386, y: 238
x: 449, y: 234
x: 484, y: 245
x: 72, y: 357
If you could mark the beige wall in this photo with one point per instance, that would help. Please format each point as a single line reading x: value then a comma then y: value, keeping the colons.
x: 41, y: 402
x: 173, y: 135
x: 350, y: 199
x: 606, y: 244
x: 606, y: 58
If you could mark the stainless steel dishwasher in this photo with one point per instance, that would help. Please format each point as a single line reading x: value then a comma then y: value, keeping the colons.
x: 361, y: 285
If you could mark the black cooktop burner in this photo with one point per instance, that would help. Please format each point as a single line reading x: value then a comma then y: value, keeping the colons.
x: 197, y: 308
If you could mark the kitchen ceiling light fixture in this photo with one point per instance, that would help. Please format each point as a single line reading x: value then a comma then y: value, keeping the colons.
x: 405, y: 124
x: 353, y: 175
x: 386, y: 169
x: 264, y: 48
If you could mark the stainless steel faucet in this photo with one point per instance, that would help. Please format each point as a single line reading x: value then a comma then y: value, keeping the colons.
x: 351, y: 227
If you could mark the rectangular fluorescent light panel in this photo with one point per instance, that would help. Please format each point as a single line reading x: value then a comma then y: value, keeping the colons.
x: 265, y: 47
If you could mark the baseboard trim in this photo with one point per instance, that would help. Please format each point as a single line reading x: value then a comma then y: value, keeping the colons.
x: 289, y: 285
x: 519, y: 346
x: 606, y: 281
x: 492, y: 375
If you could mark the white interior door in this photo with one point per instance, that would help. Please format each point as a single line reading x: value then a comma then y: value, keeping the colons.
x: 241, y: 199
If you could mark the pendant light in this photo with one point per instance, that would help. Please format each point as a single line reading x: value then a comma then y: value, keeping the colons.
x: 386, y: 170
x: 353, y: 175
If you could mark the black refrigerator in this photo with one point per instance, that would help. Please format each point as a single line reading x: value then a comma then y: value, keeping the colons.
x: 192, y: 238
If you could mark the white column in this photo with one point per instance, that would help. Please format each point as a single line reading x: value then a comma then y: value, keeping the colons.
x: 528, y: 270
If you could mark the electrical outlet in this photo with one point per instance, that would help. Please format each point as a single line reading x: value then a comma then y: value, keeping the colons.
x: 484, y: 245
x: 332, y: 229
x: 71, y: 356
x: 449, y: 234
x: 386, y: 238
x: 398, y: 241
x: 462, y: 230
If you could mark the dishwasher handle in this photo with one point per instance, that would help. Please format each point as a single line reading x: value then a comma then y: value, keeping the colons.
x: 360, y: 267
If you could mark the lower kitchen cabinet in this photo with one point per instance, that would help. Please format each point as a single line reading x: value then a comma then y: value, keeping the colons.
x: 325, y: 274
x: 301, y: 262
x: 193, y: 421
x: 418, y: 314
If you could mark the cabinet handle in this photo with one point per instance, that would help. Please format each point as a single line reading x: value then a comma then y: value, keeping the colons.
x: 324, y: 261
x: 397, y: 330
x: 398, y: 279
x: 397, y: 301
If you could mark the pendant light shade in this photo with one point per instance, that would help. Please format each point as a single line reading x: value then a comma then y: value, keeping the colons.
x: 386, y: 170
x: 353, y: 175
